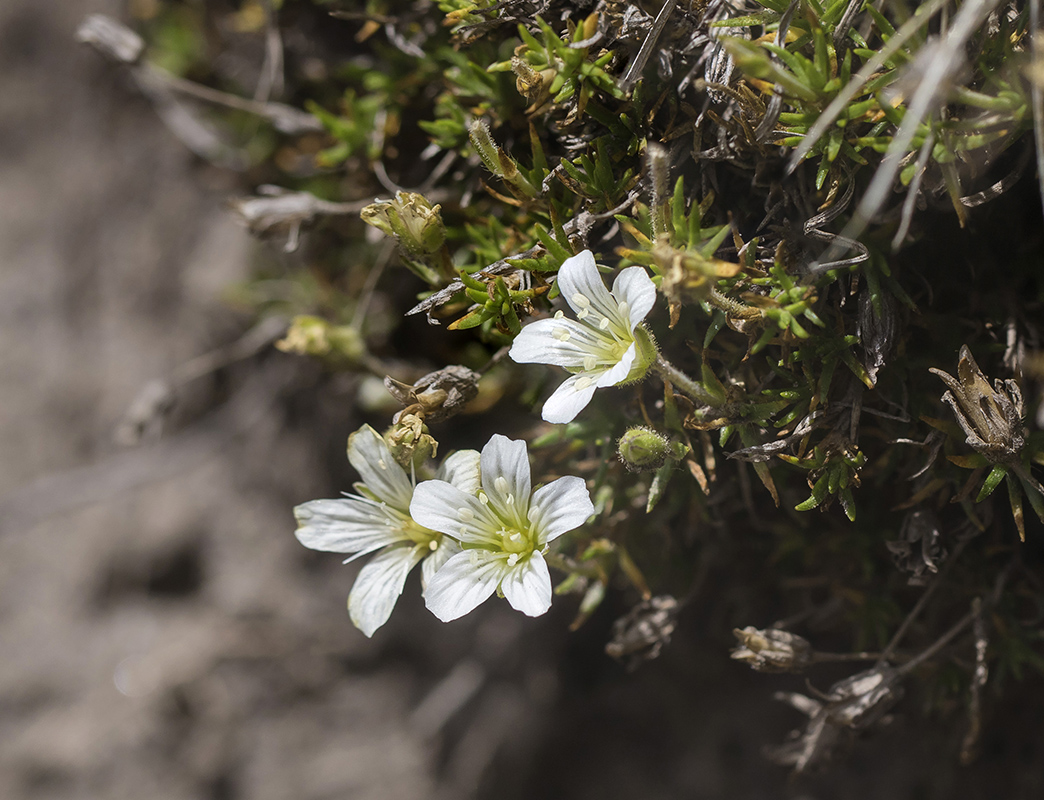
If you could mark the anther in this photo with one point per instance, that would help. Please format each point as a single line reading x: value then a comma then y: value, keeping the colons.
x: 501, y: 484
x: 559, y: 314
x: 561, y: 334
x: 604, y: 324
x: 590, y: 362
x: 512, y: 559
x: 465, y: 514
x: 433, y: 545
x: 582, y: 383
x: 582, y: 313
x: 581, y: 300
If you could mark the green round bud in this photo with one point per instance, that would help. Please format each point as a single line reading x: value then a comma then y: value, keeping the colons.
x: 643, y: 449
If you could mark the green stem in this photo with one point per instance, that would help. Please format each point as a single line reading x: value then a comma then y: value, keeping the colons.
x: 682, y: 382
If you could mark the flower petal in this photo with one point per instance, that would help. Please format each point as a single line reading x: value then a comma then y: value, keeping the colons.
x: 379, y: 585
x: 580, y: 284
x: 527, y: 586
x: 369, y: 454
x: 634, y: 287
x: 433, y: 563
x: 462, y: 469
x: 348, y: 525
x: 568, y: 400
x: 560, y: 506
x: 618, y: 373
x: 463, y: 583
x: 562, y: 342
x: 507, y: 459
x: 443, y: 507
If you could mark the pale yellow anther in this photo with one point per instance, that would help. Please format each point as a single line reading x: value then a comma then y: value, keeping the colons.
x: 510, y: 500
x: 465, y: 514
x: 433, y: 545
x: 512, y: 559
x: 483, y: 498
x: 381, y: 464
x: 515, y: 537
x: 500, y: 484
x: 582, y: 383
x: 562, y: 334
x: 590, y: 362
x: 581, y: 300
x: 559, y: 314
x: 582, y: 313
x: 625, y: 309
x: 604, y: 324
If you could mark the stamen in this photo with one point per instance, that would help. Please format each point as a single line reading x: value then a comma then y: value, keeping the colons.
x: 510, y: 499
x: 582, y: 313
x: 501, y: 484
x: 581, y: 300
x: 433, y: 545
x: 512, y: 559
x: 515, y: 537
x: 604, y: 324
x: 582, y: 383
x: 624, y: 307
x: 559, y: 314
x: 562, y: 334
x: 590, y: 362
x: 381, y: 464
x: 465, y: 514
x: 482, y: 498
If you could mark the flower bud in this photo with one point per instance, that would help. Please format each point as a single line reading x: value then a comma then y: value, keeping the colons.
x: 642, y: 449
x: 772, y: 650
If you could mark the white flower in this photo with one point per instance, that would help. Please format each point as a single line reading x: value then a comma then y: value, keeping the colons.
x: 604, y: 346
x: 504, y: 532
x: 378, y: 519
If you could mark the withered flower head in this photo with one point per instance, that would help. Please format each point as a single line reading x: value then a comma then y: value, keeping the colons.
x: 920, y: 562
x: 438, y: 395
x: 772, y: 650
x: 641, y: 634
x: 991, y: 416
x: 411, y: 219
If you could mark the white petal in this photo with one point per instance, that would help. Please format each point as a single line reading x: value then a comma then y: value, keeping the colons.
x: 443, y: 507
x: 560, y: 506
x: 506, y: 479
x: 462, y: 469
x: 567, y: 400
x: 433, y: 563
x: 528, y: 586
x: 562, y: 342
x: 579, y: 280
x: 348, y: 525
x: 369, y: 454
x: 379, y: 585
x: 463, y: 583
x: 619, y: 371
x: 634, y: 287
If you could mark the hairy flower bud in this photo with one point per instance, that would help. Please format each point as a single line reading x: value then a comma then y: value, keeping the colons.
x: 642, y: 449
x: 772, y: 650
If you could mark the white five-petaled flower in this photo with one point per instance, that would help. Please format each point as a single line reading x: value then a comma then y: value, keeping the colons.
x: 378, y: 519
x: 604, y: 346
x: 504, y: 532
